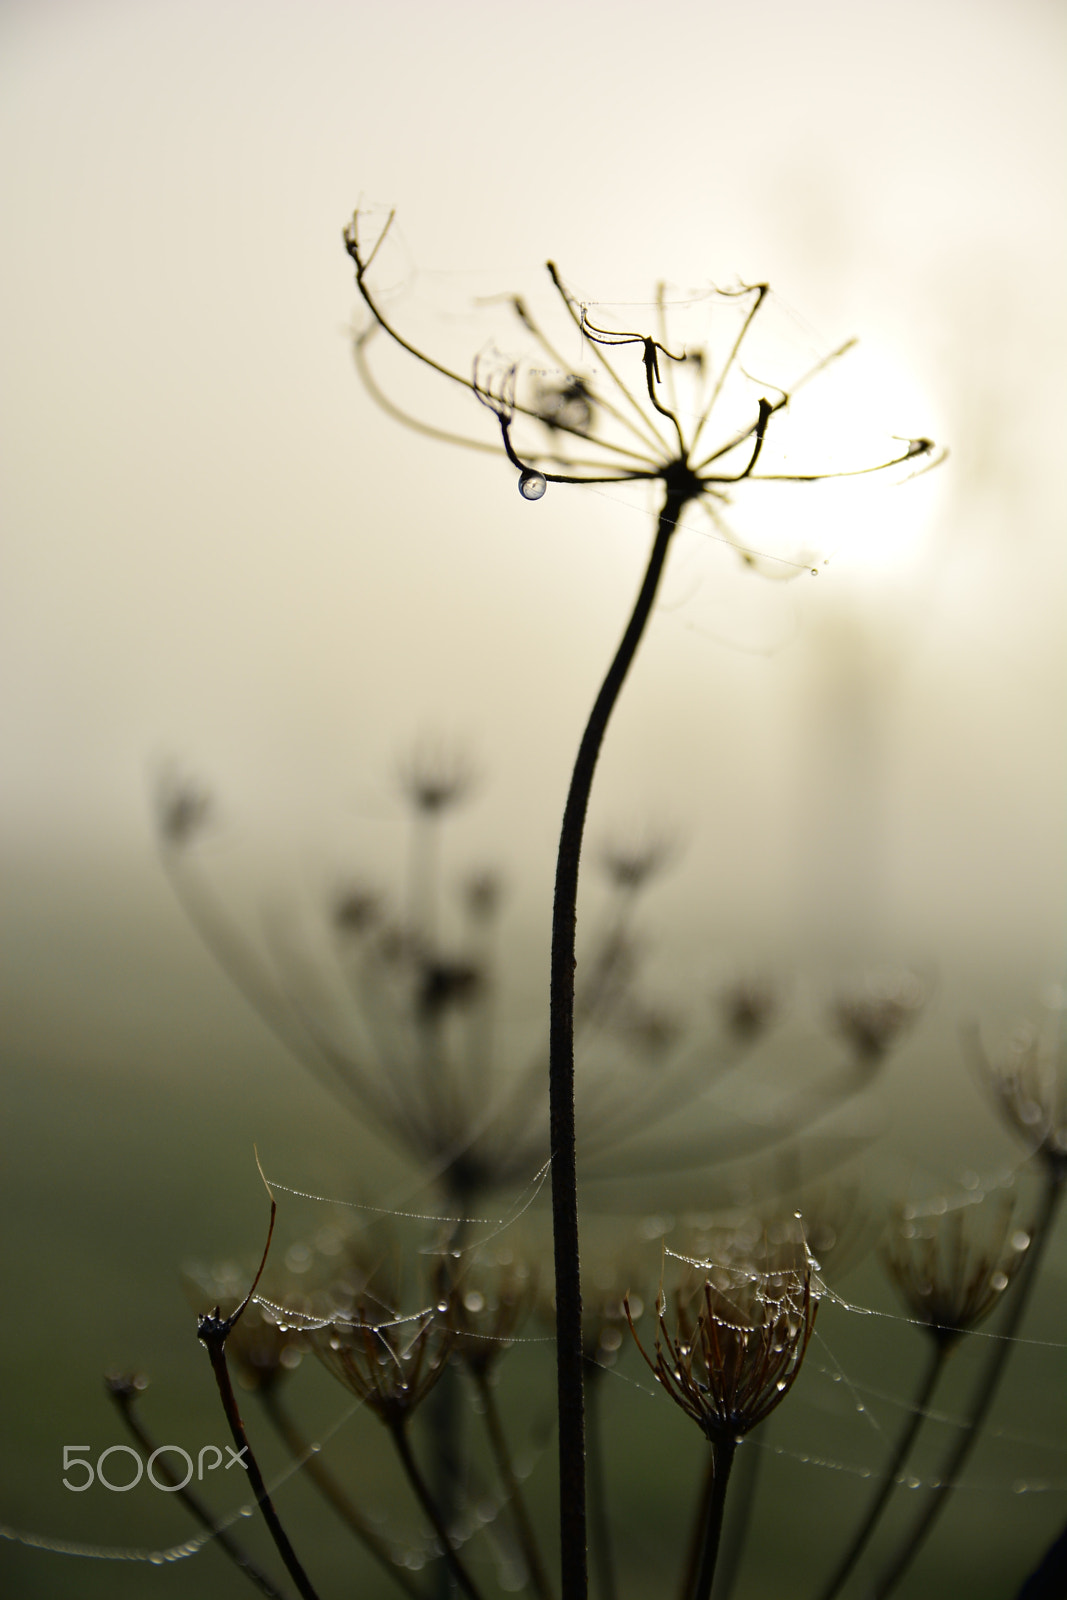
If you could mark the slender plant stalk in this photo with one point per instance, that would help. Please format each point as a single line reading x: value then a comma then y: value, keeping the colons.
x: 723, y: 1451
x: 599, y: 1522
x: 429, y: 1505
x: 947, y: 1479
x: 524, y: 1528
x: 569, y: 1357
x: 696, y: 1533
x: 328, y: 1486
x: 940, y: 1352
x: 124, y: 1396
x: 735, y: 1533
x: 213, y: 1332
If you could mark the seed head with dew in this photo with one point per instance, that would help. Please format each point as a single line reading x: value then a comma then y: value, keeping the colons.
x: 644, y: 407
x: 732, y: 1337
x: 953, y: 1263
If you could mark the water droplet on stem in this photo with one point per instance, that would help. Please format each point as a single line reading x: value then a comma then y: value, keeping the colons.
x: 532, y: 485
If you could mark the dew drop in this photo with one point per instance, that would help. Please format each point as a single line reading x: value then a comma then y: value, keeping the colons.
x: 155, y: 1559
x: 532, y: 485
x: 1020, y: 1240
x: 999, y: 1281
x: 815, y: 572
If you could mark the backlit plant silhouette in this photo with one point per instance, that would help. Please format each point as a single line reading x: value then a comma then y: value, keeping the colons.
x: 601, y: 432
x: 397, y: 1020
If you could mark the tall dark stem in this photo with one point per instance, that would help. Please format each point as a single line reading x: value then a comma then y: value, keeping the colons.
x: 932, y: 1371
x: 984, y: 1394
x: 561, y: 1079
x: 724, y: 1450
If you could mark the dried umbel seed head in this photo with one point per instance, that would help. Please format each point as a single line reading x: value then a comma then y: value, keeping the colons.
x: 482, y: 894
x: 952, y: 1266
x: 1028, y: 1085
x: 436, y: 776
x: 356, y: 910
x: 445, y: 985
x: 564, y: 402
x: 748, y: 1006
x: 641, y: 413
x: 182, y: 810
x: 630, y: 864
x: 873, y: 1015
x: 734, y: 1346
x: 125, y: 1386
x: 391, y: 1364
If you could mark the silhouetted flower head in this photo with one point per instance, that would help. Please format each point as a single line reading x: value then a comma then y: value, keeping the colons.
x: 874, y: 1014
x: 644, y: 408
x: 389, y: 1361
x: 1028, y: 1084
x: 748, y: 1005
x: 952, y: 1265
x: 732, y: 1348
x: 436, y: 775
x: 182, y: 810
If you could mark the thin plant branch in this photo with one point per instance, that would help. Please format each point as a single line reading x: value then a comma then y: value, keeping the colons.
x: 327, y: 1485
x: 124, y: 1393
x: 398, y: 1431
x: 213, y: 1331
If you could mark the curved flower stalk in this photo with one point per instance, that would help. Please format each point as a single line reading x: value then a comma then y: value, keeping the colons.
x: 734, y: 1360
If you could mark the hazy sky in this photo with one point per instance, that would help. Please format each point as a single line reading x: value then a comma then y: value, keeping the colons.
x: 217, y: 551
